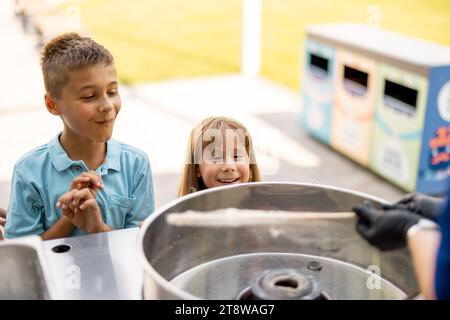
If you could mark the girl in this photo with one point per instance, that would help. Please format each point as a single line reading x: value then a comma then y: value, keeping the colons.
x: 220, y: 152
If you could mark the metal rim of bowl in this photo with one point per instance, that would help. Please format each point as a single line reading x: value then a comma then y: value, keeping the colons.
x: 164, y: 283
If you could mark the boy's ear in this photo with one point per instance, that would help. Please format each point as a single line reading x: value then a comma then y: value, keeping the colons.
x: 51, y: 105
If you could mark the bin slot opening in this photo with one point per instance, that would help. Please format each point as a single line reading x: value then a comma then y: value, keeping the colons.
x: 355, y: 80
x: 318, y: 65
x: 400, y: 98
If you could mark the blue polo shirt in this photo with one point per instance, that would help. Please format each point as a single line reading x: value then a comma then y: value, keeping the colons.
x: 43, y: 175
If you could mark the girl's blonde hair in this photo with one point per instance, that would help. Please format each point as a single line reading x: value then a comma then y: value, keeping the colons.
x: 189, y: 181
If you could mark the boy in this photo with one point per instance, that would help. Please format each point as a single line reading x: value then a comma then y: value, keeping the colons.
x: 82, y: 181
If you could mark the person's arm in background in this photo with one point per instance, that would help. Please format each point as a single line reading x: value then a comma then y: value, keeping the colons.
x: 2, y: 221
x: 423, y: 246
x: 429, y: 246
x: 396, y: 228
x: 442, y: 279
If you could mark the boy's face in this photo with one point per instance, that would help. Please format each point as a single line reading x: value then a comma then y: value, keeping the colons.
x: 89, y: 102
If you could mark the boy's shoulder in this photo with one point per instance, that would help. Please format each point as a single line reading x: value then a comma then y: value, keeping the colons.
x: 34, y: 157
x: 132, y: 151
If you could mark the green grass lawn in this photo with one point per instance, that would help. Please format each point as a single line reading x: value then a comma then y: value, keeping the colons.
x: 154, y: 39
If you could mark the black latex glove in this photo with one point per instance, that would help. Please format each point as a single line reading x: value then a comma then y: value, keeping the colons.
x: 384, y: 229
x: 426, y: 206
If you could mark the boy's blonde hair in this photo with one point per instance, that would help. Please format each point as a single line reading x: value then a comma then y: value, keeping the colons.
x: 68, y: 52
x: 189, y: 181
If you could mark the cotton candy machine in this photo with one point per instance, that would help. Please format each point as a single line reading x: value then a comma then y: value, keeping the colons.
x: 24, y: 270
x: 268, y: 241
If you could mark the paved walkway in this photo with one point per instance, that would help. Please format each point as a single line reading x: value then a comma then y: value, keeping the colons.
x: 157, y: 118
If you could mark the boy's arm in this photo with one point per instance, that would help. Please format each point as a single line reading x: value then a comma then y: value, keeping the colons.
x: 61, y: 229
x: 145, y: 199
x: 25, y: 210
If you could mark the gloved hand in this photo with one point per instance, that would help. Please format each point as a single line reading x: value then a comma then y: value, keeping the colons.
x: 386, y: 230
x: 426, y: 206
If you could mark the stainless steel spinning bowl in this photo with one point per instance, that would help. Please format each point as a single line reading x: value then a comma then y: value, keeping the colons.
x: 302, y: 235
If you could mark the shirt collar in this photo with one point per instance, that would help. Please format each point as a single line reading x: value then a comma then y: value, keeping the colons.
x: 113, y: 155
x: 58, y: 155
x: 61, y: 160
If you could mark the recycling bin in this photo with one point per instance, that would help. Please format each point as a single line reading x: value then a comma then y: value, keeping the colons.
x: 318, y: 90
x: 354, y: 94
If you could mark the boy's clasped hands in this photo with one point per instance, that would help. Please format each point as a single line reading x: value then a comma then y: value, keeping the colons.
x: 79, y: 205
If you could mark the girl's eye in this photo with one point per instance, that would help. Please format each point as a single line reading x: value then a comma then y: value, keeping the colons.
x: 112, y: 93
x: 214, y: 159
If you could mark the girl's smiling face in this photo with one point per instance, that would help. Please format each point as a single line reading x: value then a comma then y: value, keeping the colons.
x: 222, y: 166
